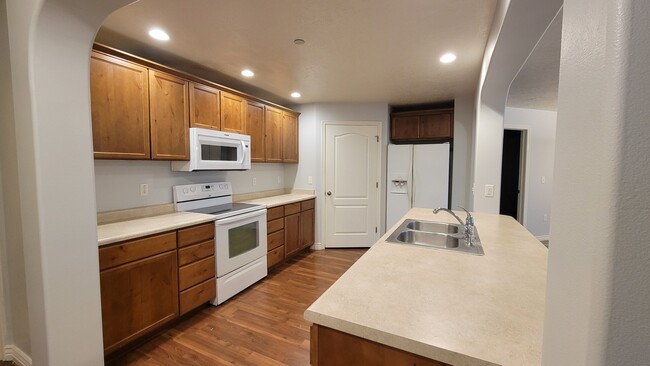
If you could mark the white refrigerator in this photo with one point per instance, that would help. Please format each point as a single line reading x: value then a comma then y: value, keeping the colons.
x: 418, y: 176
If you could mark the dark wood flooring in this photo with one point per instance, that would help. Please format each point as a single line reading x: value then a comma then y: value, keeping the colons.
x: 264, y: 325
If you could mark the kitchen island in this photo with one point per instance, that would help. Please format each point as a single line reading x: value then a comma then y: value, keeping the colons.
x: 452, y: 307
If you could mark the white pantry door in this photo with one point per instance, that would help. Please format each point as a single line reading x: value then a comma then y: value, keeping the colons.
x: 351, y: 185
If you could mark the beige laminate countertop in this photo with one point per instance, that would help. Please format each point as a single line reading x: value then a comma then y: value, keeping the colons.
x: 453, y: 307
x: 280, y: 200
x: 130, y: 229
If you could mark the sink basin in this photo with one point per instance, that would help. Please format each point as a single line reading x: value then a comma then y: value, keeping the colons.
x: 435, y: 235
x: 434, y: 227
x: 428, y: 239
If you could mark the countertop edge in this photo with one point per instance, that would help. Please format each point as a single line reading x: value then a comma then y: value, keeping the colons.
x: 280, y: 200
x: 112, y: 239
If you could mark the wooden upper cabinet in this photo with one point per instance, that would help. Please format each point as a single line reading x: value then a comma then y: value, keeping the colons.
x: 273, y: 122
x: 169, y: 117
x: 204, y: 106
x: 233, y: 110
x: 422, y: 126
x: 119, y: 94
x: 255, y: 128
x: 289, y: 137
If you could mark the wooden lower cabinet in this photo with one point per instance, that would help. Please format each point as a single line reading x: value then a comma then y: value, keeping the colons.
x: 137, y: 298
x: 331, y: 347
x: 148, y: 282
x: 290, y: 228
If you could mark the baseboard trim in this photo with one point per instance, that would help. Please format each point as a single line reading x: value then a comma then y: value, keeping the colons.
x: 318, y: 246
x: 543, y: 237
x: 15, y: 354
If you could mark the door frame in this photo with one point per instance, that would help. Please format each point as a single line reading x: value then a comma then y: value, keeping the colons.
x: 322, y: 208
x: 524, y: 157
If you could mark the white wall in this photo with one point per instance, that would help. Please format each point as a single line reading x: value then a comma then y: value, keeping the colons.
x: 597, y: 291
x: 11, y: 250
x: 522, y: 26
x: 540, y: 127
x: 311, y: 121
x: 117, y: 182
x: 461, y: 170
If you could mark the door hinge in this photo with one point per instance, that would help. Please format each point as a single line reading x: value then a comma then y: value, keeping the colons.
x: 375, y: 229
x: 377, y: 137
x: 376, y: 184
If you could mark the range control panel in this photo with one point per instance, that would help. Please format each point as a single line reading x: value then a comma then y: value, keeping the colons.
x: 191, y: 192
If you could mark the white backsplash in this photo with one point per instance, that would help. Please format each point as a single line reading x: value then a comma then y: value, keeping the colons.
x: 117, y: 182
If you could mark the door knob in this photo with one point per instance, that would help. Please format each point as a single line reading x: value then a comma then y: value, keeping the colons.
x: 329, y: 193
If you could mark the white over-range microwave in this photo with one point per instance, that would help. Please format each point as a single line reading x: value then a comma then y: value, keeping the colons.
x: 216, y: 150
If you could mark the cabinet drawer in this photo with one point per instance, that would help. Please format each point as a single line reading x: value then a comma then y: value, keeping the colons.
x: 195, y: 252
x: 275, y: 256
x: 195, y: 273
x: 275, y: 225
x: 274, y: 240
x: 274, y: 213
x: 291, y: 208
x: 129, y: 251
x: 307, y: 205
x: 197, y: 295
x: 195, y: 234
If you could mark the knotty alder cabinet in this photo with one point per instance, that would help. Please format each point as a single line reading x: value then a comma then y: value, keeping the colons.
x: 331, y: 347
x: 143, y: 110
x: 422, y: 126
x: 290, y: 228
x: 149, y: 282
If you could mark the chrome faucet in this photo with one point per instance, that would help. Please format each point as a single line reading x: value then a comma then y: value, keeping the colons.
x: 468, y: 224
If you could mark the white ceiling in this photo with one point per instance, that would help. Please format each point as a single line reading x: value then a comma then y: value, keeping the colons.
x: 355, y: 51
x: 536, y: 85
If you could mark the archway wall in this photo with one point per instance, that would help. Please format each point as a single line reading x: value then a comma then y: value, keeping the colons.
x: 49, y: 43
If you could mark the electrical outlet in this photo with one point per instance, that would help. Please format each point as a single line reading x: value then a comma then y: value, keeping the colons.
x: 489, y: 190
x: 310, y: 180
x: 279, y: 179
x: 254, y: 181
x: 543, y: 179
x: 545, y: 217
x: 144, y: 189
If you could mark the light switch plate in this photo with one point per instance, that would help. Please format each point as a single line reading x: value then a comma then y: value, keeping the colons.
x: 489, y: 190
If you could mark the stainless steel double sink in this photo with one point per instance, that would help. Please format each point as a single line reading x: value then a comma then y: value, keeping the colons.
x: 436, y: 235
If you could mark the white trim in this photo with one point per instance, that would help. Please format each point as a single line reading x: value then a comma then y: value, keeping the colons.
x: 322, y: 207
x: 15, y: 354
x: 318, y: 246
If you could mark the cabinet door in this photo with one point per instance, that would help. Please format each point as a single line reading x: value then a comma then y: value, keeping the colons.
x: 232, y: 113
x: 289, y: 137
x: 404, y: 127
x: 119, y: 101
x: 169, y: 117
x: 204, y: 107
x: 255, y: 128
x: 137, y: 298
x: 436, y: 126
x: 273, y: 122
x: 291, y: 233
x: 307, y: 228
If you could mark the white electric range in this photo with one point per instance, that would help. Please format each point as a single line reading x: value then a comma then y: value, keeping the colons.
x: 240, y: 234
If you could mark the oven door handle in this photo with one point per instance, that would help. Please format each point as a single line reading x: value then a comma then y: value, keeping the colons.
x: 236, y: 218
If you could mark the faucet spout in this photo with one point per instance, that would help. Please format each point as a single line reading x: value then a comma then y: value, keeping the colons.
x: 468, y: 224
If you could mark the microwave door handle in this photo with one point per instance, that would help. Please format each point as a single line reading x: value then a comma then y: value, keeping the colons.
x: 245, y: 151
x: 236, y: 218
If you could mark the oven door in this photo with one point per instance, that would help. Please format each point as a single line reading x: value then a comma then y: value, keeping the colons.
x: 239, y: 240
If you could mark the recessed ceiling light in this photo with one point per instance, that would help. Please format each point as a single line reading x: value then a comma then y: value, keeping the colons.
x: 295, y: 95
x: 247, y: 73
x: 159, y: 34
x: 448, y: 58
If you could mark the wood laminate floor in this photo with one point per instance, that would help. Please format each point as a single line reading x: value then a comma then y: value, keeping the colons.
x: 264, y: 325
